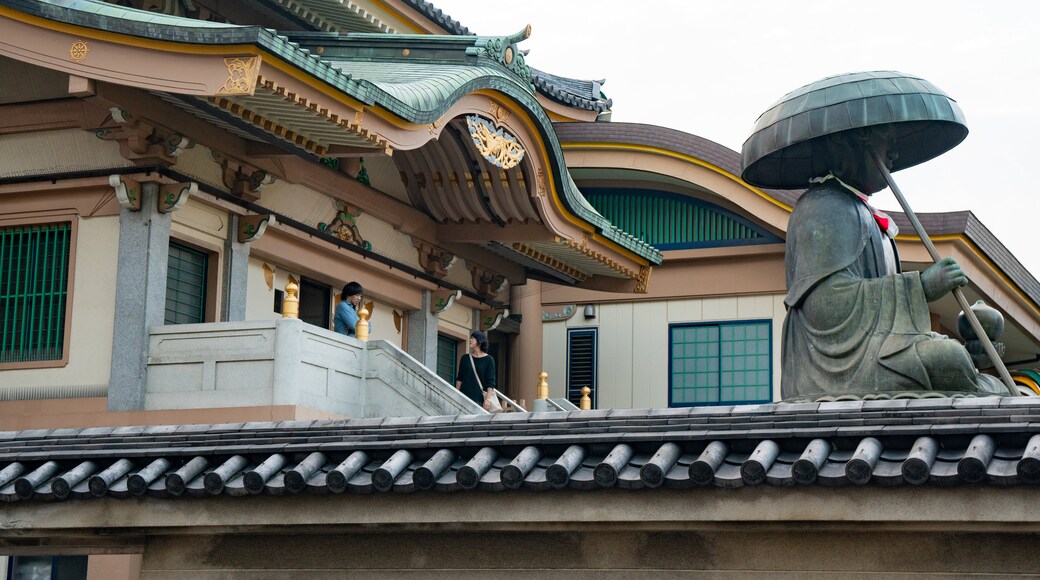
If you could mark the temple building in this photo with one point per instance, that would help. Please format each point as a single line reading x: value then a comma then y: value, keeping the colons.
x: 180, y: 175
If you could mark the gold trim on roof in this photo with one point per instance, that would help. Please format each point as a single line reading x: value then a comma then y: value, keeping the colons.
x: 242, y: 75
x: 354, y: 126
x: 269, y: 125
x: 551, y: 262
x: 584, y: 248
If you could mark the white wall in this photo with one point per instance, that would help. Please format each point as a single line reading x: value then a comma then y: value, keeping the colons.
x: 632, y: 344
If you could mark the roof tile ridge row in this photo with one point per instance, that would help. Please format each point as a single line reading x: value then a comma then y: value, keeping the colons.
x: 581, y: 465
x: 980, y: 418
x: 439, y: 17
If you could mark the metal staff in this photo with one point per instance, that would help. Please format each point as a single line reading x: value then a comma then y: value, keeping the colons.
x: 957, y: 293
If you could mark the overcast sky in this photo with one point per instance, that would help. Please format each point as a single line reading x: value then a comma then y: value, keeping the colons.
x: 711, y: 67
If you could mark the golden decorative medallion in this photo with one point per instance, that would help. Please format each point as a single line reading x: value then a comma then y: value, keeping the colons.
x: 495, y: 145
x: 499, y: 113
x: 78, y: 51
x: 242, y: 75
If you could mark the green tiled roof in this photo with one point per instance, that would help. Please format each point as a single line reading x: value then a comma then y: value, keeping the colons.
x: 374, y: 69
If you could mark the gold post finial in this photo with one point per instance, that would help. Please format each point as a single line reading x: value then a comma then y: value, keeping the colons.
x: 361, y: 332
x: 543, y: 386
x: 586, y: 403
x: 291, y: 302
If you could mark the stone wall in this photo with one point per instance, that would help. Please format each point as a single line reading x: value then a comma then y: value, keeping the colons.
x: 861, y: 532
x: 288, y: 362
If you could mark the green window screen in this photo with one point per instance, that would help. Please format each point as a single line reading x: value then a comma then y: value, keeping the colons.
x: 447, y: 353
x: 34, y: 266
x: 670, y: 221
x: 186, y: 285
x: 714, y: 364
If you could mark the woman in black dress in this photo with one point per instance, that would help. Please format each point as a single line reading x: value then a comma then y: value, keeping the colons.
x: 482, y: 363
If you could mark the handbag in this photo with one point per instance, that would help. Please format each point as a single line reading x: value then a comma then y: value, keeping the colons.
x: 492, y: 404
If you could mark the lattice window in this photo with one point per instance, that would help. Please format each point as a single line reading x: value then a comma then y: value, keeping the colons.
x: 186, y: 285
x: 581, y: 363
x: 720, y: 363
x: 34, y: 270
x: 447, y: 355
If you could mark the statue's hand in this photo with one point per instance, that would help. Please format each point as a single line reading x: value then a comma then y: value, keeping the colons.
x: 941, y: 278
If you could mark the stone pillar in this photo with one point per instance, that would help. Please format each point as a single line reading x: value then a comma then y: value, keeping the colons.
x: 144, y: 250
x: 235, y: 276
x: 422, y: 332
x: 526, y: 300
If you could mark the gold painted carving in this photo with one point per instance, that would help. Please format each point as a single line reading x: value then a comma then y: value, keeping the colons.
x: 643, y: 279
x: 495, y: 145
x: 542, y: 189
x: 242, y: 75
x: 78, y: 51
x: 269, y: 276
x: 498, y: 113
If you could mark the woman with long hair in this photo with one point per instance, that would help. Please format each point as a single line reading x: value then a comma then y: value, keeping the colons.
x: 476, y: 371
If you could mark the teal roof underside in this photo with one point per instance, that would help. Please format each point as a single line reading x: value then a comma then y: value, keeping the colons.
x: 370, y: 68
x: 671, y: 221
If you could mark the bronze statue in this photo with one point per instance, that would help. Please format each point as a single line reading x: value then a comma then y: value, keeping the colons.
x: 856, y: 325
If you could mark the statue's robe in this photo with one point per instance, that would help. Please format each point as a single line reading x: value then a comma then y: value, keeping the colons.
x: 852, y: 327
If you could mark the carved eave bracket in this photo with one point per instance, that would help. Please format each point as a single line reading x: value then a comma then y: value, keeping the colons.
x: 434, y: 261
x: 251, y: 227
x: 142, y: 142
x: 242, y: 179
x: 443, y: 299
x: 128, y: 191
x: 486, y: 282
x: 172, y: 196
x: 490, y: 319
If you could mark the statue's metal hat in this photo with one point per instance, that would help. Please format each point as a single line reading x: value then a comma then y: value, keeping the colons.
x: 779, y: 152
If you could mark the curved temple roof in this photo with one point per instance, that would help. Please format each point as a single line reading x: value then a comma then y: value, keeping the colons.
x: 939, y: 441
x: 368, y: 68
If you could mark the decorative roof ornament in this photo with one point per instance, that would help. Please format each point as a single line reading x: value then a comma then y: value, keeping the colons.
x: 344, y: 226
x: 496, y: 145
x: 504, y: 51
